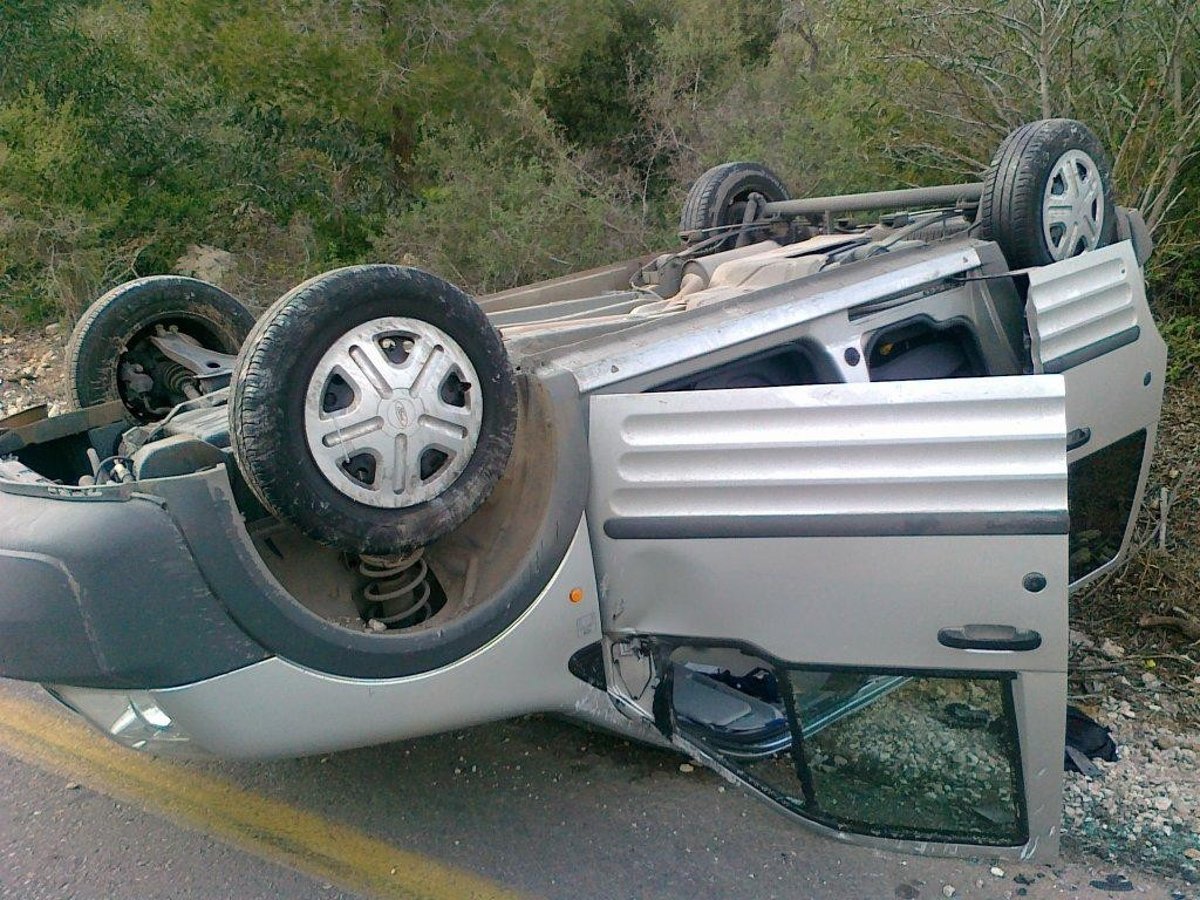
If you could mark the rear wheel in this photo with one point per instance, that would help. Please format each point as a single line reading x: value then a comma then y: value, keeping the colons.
x: 1048, y: 194
x: 374, y: 408
x: 110, y: 355
x: 718, y: 198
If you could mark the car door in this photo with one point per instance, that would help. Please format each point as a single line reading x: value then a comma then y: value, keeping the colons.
x: 1089, y: 320
x: 849, y: 597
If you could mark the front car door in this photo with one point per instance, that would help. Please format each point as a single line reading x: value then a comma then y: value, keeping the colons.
x: 849, y: 597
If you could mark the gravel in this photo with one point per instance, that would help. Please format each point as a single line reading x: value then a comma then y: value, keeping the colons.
x: 1143, y: 809
x: 31, y: 370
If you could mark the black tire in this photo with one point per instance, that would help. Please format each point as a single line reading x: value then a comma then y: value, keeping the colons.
x: 121, y: 320
x: 1011, y: 209
x: 267, y: 406
x: 718, y: 197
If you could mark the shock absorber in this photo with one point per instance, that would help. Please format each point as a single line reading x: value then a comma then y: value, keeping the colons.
x: 398, y: 593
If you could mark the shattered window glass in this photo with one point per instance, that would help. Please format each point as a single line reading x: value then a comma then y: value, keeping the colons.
x: 924, y: 756
x: 891, y: 755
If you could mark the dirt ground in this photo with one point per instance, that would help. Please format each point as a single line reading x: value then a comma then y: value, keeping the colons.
x: 1135, y: 643
x: 32, y: 370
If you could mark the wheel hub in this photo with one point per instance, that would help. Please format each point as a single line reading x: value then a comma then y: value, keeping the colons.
x: 392, y: 413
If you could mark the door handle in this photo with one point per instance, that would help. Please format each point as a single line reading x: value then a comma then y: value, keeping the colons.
x: 1077, y: 437
x: 989, y: 637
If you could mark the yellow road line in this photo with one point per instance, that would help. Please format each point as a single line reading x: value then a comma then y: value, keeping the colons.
x: 267, y: 828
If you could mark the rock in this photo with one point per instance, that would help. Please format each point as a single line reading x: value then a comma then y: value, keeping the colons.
x: 948, y: 890
x: 1111, y: 649
x: 207, y: 263
x: 686, y: 767
x: 1164, y: 741
x: 997, y: 872
x: 1116, y: 882
x: 1192, y: 853
x: 54, y: 328
x: 1162, y: 804
x: 1079, y: 639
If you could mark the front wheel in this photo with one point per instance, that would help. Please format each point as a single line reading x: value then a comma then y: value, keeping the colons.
x: 110, y: 355
x: 374, y: 408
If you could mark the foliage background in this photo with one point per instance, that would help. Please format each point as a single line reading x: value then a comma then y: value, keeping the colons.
x: 499, y: 141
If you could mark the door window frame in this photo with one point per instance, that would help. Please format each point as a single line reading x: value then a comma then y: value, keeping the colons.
x: 665, y: 714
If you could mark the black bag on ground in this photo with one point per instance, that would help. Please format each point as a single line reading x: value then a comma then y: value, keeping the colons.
x: 1087, y: 739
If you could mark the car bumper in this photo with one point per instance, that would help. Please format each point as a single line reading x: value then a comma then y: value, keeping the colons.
x: 99, y: 589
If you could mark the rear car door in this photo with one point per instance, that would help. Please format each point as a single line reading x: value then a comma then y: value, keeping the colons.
x: 849, y: 597
x: 1089, y: 321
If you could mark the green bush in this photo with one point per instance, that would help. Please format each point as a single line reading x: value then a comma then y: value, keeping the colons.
x: 59, y: 212
x: 500, y: 143
x: 1182, y: 334
x: 491, y: 215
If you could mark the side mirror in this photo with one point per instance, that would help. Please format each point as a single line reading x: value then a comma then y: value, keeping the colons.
x: 1132, y: 227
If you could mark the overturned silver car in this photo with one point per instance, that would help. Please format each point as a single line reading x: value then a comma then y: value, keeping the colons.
x: 803, y: 498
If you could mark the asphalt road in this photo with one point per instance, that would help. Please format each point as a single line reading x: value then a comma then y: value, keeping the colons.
x: 532, y: 807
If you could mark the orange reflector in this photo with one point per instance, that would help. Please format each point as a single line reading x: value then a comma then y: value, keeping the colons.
x: 576, y: 595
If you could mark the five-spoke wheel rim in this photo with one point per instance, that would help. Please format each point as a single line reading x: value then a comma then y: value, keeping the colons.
x: 1073, y: 206
x: 393, y: 412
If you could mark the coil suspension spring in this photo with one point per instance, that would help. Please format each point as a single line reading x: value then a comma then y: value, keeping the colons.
x: 399, y: 593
